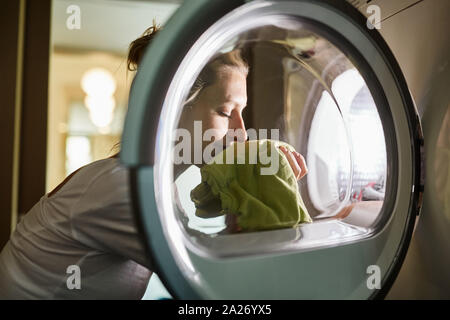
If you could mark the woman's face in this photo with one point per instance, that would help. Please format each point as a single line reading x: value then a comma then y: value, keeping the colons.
x: 219, y: 107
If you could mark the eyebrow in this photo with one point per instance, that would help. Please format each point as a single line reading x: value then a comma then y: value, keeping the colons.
x: 235, y: 102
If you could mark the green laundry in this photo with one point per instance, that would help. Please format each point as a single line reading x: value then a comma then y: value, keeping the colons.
x: 254, y: 181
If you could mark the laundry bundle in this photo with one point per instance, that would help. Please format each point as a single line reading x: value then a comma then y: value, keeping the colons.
x: 254, y: 181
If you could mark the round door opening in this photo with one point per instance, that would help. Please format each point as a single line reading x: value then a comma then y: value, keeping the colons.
x: 229, y: 187
x: 280, y: 138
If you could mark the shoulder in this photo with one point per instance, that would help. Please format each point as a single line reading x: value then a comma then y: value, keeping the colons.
x: 107, y: 177
x: 106, y: 170
x: 102, y: 167
x: 102, y: 175
x: 102, y: 192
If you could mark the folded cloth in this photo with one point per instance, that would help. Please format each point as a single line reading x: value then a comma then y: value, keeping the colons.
x: 254, y: 181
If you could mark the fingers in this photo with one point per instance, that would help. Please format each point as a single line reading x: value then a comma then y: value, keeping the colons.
x: 293, y: 162
x: 232, y: 224
x: 345, y: 211
x: 297, y: 162
x: 301, y: 161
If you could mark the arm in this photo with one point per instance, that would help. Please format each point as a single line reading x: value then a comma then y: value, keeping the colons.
x: 362, y: 214
x: 103, y: 218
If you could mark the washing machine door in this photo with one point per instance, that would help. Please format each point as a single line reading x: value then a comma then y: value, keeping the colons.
x: 319, y: 79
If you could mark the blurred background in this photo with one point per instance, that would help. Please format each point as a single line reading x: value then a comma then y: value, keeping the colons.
x: 60, y: 55
x: 82, y: 126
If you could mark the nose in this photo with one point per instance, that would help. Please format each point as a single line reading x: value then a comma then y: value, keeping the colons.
x: 238, y: 126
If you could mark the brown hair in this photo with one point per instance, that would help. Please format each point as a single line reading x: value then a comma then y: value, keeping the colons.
x: 227, y: 61
x: 232, y: 60
x: 138, y: 46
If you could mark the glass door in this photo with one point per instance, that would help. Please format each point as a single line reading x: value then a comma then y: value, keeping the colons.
x: 317, y: 79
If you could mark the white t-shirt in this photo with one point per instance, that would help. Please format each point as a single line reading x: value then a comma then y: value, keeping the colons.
x: 87, y: 223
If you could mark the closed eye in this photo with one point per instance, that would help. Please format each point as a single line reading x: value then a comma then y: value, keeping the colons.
x: 223, y: 114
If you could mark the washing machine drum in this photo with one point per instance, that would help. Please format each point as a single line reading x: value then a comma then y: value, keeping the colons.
x: 308, y: 73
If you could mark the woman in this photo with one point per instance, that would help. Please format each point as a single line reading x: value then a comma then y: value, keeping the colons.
x: 80, y: 241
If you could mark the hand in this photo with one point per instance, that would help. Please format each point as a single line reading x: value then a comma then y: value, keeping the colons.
x: 345, y: 211
x: 232, y: 224
x: 297, y: 162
